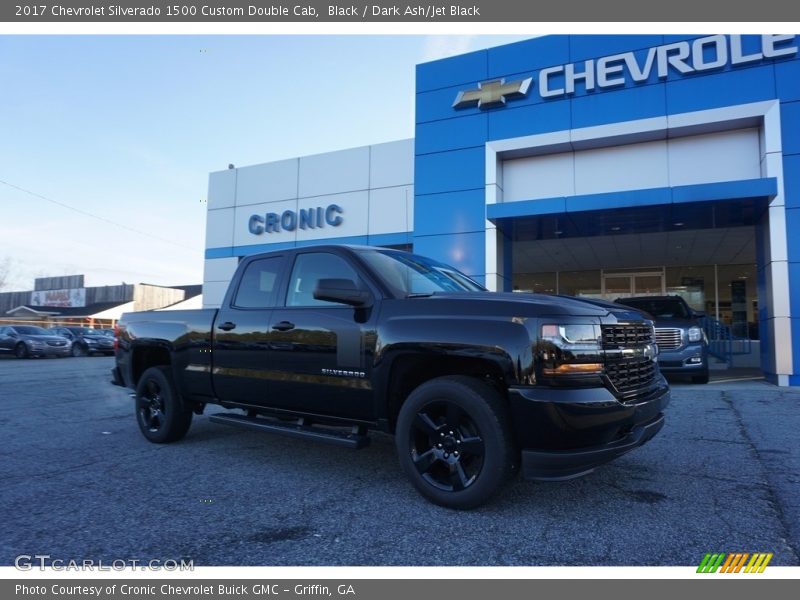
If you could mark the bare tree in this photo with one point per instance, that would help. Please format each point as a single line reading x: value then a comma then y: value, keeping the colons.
x: 6, y: 268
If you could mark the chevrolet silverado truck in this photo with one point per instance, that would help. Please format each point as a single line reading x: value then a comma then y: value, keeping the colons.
x: 331, y: 343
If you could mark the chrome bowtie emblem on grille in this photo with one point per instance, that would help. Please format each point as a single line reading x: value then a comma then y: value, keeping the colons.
x: 496, y: 91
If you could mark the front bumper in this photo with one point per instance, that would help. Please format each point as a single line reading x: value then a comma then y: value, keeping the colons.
x: 97, y: 348
x: 684, y: 359
x: 49, y: 351
x: 565, y: 433
x: 557, y: 466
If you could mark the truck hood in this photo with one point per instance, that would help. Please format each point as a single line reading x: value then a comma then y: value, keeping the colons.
x: 545, y: 304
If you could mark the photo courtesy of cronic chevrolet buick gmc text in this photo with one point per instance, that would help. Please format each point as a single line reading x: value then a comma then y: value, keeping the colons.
x: 330, y: 342
x: 682, y: 342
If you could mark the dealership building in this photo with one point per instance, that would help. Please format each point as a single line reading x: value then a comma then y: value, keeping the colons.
x: 595, y: 166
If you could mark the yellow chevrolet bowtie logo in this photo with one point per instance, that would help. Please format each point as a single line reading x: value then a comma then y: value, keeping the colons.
x: 492, y: 92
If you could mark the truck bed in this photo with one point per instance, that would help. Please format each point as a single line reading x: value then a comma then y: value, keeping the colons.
x: 185, y: 334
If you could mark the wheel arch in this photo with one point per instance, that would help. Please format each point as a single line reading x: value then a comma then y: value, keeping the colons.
x: 408, y: 371
x: 144, y: 356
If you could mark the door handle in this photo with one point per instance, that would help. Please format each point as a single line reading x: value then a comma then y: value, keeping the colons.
x: 227, y: 326
x: 283, y: 326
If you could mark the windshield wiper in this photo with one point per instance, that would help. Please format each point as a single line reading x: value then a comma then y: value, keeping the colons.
x: 420, y: 295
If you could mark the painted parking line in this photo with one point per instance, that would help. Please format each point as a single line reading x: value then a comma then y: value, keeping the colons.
x: 713, y: 381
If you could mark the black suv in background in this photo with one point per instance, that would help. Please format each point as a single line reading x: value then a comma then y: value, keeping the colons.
x: 682, y: 342
x: 86, y: 341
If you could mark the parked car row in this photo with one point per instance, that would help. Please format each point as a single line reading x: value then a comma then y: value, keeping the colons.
x: 27, y: 341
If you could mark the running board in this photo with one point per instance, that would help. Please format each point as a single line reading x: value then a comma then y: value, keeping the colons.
x: 355, y: 439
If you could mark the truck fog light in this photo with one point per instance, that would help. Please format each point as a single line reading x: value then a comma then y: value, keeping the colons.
x: 695, y: 360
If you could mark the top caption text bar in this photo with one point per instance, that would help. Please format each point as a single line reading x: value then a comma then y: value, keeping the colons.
x: 311, y: 11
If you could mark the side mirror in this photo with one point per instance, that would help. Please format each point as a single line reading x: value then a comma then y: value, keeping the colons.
x: 13, y: 334
x: 698, y: 314
x: 344, y: 291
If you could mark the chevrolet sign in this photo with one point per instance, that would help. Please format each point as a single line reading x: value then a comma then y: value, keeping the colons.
x: 682, y: 58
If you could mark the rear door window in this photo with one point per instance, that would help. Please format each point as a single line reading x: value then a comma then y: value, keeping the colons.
x: 259, y: 284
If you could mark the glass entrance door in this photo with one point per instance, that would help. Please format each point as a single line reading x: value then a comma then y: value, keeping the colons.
x: 617, y: 286
x: 648, y: 285
x: 624, y: 285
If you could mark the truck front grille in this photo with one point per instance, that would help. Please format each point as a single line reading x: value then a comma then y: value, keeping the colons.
x: 629, y: 375
x: 626, y: 335
x: 668, y: 338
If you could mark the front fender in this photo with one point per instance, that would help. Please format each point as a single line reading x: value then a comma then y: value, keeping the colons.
x: 503, y: 341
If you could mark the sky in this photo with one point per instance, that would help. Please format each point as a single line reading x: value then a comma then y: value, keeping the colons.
x: 126, y: 129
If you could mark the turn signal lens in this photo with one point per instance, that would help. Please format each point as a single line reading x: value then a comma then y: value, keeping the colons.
x: 574, y: 369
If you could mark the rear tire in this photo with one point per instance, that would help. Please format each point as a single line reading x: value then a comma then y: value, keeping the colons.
x: 454, y: 441
x: 160, y: 412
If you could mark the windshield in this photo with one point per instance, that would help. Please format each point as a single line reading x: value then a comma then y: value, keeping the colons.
x: 85, y: 331
x: 30, y: 330
x: 661, y: 308
x: 408, y: 274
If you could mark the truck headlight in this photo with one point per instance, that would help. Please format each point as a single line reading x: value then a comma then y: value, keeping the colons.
x: 570, y: 349
x: 694, y: 334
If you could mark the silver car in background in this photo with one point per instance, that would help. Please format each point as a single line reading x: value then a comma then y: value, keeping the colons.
x: 26, y: 341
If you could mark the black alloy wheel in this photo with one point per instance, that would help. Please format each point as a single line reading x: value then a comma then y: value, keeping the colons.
x: 161, y: 414
x: 21, y: 351
x: 446, y: 446
x: 454, y: 441
x: 151, y: 408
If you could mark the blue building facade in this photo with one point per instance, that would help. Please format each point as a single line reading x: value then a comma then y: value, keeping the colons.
x: 621, y: 137
x: 596, y: 166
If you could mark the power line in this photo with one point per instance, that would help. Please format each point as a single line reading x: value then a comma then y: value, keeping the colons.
x: 94, y: 216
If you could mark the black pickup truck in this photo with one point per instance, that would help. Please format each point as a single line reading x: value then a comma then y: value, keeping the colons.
x: 331, y: 342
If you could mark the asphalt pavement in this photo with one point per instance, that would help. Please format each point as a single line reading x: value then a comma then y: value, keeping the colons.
x: 78, y: 481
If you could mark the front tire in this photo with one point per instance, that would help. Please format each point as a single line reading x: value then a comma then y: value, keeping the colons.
x: 78, y: 350
x: 702, y: 378
x: 454, y: 441
x: 161, y: 414
x: 21, y: 351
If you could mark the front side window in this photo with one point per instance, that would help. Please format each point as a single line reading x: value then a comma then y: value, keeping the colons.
x: 308, y: 270
x: 257, y: 287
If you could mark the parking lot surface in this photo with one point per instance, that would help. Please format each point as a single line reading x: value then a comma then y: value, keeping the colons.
x: 78, y: 481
